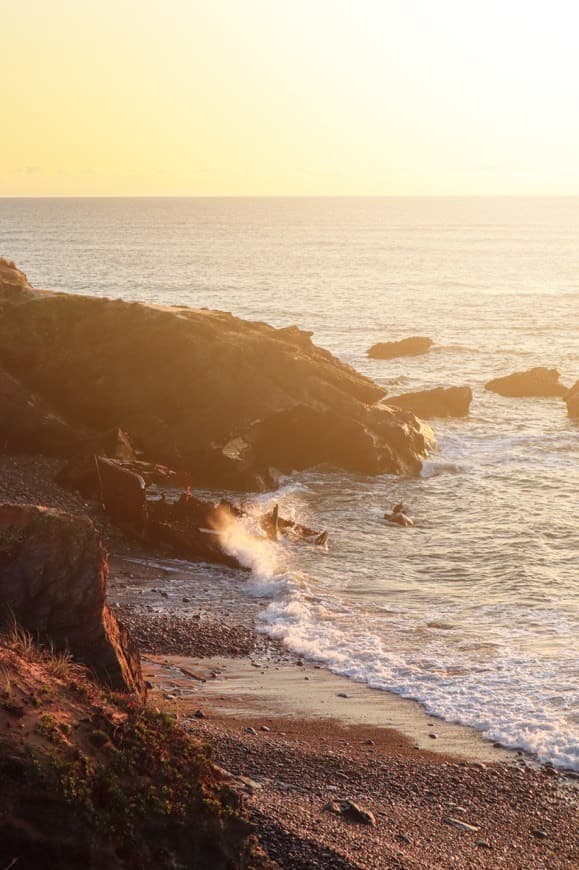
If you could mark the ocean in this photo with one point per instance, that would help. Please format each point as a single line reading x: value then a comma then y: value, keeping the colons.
x: 474, y: 612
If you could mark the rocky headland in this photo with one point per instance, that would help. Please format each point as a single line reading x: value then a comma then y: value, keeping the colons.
x: 225, y: 401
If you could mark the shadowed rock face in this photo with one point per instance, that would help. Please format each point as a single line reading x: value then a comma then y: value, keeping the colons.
x: 572, y: 400
x: 53, y: 571
x: 440, y: 402
x: 538, y: 382
x: 183, y: 382
x: 413, y: 346
x: 379, y: 441
x: 28, y: 425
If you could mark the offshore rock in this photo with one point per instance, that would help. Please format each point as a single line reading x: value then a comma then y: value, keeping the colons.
x: 413, y: 346
x: 439, y: 402
x: 572, y: 400
x: 537, y: 382
x: 53, y: 574
x: 183, y: 382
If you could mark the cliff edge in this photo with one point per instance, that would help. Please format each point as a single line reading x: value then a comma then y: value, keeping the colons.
x: 200, y: 390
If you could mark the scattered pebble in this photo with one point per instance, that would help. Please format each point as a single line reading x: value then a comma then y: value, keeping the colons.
x: 350, y: 809
x: 462, y: 826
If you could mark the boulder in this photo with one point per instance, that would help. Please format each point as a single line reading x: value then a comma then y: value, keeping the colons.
x: 439, y: 402
x: 53, y: 576
x: 80, y: 473
x: 183, y: 382
x: 538, y: 382
x: 123, y: 494
x: 412, y: 346
x: 29, y: 425
x: 381, y: 441
x: 572, y: 400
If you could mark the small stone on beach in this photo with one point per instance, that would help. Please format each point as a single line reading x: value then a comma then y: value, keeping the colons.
x: 462, y: 826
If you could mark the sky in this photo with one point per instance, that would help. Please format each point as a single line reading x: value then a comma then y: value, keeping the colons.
x: 289, y: 97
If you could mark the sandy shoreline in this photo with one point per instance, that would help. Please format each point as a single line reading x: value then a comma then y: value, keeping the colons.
x: 440, y: 795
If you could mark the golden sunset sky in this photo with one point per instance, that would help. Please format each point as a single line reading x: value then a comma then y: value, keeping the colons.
x: 260, y: 97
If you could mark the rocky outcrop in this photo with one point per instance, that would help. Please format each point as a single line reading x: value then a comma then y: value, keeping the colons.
x: 412, y: 346
x: 29, y: 425
x: 53, y: 574
x: 380, y: 441
x: 572, y: 400
x: 81, y: 472
x: 440, y: 402
x: 537, y: 382
x: 12, y: 280
x: 183, y: 383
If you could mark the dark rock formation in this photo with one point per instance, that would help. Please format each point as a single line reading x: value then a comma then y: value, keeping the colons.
x: 538, y: 382
x: 380, y: 440
x: 572, y: 400
x: 440, y: 402
x: 123, y: 494
x: 190, y: 529
x: 53, y: 572
x: 413, y: 346
x: 183, y: 382
x: 81, y: 472
x: 28, y: 424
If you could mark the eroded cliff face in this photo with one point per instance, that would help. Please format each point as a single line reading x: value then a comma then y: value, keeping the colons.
x: 53, y: 573
x: 184, y: 383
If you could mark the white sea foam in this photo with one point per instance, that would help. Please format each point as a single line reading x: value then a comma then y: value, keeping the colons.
x: 506, y: 698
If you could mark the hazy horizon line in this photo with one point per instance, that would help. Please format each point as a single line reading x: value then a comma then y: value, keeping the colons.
x: 300, y: 196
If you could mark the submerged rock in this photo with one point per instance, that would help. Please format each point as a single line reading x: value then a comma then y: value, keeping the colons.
x: 186, y: 383
x: 537, y: 382
x: 439, y: 402
x: 413, y: 346
x: 53, y: 575
x: 572, y: 401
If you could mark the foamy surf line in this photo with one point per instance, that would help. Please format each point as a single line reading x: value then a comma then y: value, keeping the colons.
x: 483, y: 697
x: 492, y: 707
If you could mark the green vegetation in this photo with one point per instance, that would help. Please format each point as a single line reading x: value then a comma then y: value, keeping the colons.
x: 89, y: 772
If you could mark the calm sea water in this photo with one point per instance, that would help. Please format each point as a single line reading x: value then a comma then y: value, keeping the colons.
x: 475, y: 611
